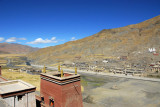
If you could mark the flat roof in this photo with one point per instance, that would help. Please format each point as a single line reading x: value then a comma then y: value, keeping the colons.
x: 14, y: 86
x: 56, y: 75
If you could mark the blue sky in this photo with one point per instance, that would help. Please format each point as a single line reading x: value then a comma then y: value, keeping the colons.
x: 42, y: 23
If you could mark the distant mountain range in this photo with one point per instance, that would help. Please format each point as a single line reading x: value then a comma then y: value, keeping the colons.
x: 132, y: 41
x: 14, y: 48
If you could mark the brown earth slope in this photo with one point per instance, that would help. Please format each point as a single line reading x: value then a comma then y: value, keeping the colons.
x: 132, y: 41
x: 7, y: 48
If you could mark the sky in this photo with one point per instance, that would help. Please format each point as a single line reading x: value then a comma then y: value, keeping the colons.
x: 43, y: 23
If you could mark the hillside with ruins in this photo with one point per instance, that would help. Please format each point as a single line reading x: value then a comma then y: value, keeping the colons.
x: 133, y: 41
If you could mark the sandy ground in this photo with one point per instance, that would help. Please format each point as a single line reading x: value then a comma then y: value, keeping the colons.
x: 120, y: 92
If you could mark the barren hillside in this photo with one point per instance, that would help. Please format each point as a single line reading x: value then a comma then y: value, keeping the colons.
x: 7, y: 48
x: 132, y: 41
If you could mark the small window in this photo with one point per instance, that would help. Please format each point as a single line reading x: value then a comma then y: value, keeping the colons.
x: 51, y: 103
x: 42, y: 99
x: 20, y: 97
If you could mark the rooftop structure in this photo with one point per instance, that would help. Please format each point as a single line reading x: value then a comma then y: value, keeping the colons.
x: 57, y: 89
x: 60, y: 89
x: 17, y: 93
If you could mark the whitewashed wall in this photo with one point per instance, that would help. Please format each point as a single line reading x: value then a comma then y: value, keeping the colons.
x: 28, y: 100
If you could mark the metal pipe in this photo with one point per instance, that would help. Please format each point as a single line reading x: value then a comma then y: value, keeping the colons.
x: 75, y: 70
x: 61, y: 73
x: 44, y: 69
x: 59, y: 68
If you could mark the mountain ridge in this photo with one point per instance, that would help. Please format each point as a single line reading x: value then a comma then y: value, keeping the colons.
x: 108, y: 42
x: 15, y: 48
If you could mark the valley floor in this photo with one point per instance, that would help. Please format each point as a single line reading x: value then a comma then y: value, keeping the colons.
x: 106, y: 91
x: 101, y: 90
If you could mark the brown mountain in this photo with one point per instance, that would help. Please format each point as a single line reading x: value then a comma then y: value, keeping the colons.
x: 13, y: 48
x: 132, y: 41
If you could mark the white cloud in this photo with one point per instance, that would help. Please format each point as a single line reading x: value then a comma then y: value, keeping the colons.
x: 22, y: 39
x: 40, y: 40
x: 53, y: 38
x: 1, y: 39
x: 73, y: 39
x: 14, y: 39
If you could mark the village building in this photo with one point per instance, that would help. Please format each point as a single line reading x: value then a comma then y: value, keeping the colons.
x: 123, y: 58
x: 60, y: 90
x: 17, y: 93
x: 57, y: 89
x: 155, y: 69
x: 118, y: 70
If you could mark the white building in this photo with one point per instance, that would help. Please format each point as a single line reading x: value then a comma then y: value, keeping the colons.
x: 17, y: 93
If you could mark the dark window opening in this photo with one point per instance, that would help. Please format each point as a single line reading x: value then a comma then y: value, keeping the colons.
x: 51, y: 103
x: 42, y: 99
x: 20, y: 97
x: 38, y: 103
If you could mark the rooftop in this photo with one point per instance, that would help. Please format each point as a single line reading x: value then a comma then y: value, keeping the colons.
x: 14, y: 86
x: 57, y: 75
